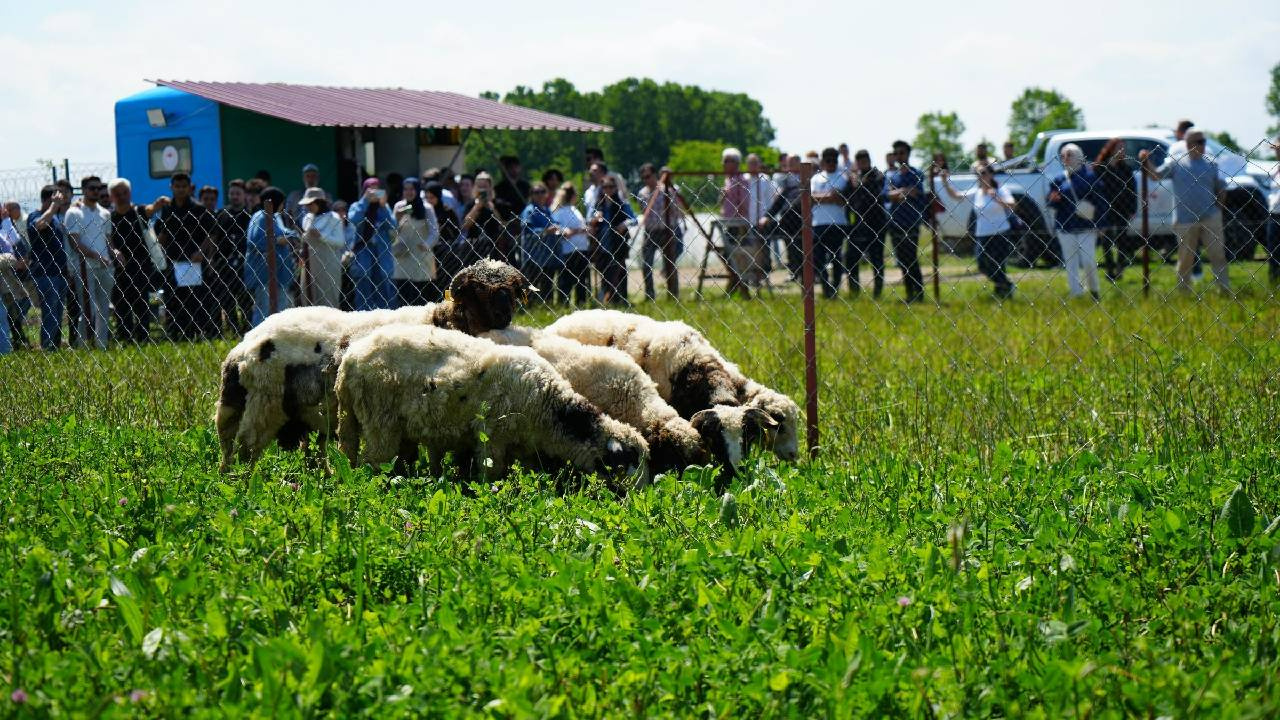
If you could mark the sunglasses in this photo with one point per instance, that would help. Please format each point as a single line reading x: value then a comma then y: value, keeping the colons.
x: 610, y: 187
x: 1201, y: 141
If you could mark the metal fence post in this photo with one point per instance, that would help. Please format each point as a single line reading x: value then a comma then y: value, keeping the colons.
x: 273, y: 288
x: 810, y: 341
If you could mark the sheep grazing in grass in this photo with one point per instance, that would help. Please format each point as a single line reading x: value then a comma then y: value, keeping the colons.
x: 609, y: 379
x: 690, y: 373
x: 732, y: 432
x: 277, y: 384
x: 784, y: 412
x: 403, y: 387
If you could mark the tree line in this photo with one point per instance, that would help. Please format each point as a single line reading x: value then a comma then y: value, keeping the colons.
x: 686, y: 126
x: 650, y: 121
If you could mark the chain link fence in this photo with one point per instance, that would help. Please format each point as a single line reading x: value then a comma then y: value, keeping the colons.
x: 1061, y: 307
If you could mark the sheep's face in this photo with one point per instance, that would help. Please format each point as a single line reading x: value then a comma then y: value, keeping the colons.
x: 487, y: 295
x: 624, y: 454
x: 728, y: 433
x: 786, y: 413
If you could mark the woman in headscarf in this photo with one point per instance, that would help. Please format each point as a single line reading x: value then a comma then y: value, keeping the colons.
x: 417, y: 233
x: 256, y: 280
x: 449, y: 234
x: 325, y: 241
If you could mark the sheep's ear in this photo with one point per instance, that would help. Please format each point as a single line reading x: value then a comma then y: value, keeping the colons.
x: 701, y: 417
x: 761, y: 418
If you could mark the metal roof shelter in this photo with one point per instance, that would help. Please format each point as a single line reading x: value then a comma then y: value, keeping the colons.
x: 323, y: 106
x: 220, y: 130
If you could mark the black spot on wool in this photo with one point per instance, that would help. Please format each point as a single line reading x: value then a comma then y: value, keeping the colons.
x: 700, y: 384
x: 303, y: 387
x: 711, y: 430
x: 579, y: 419
x: 266, y: 350
x: 234, y: 395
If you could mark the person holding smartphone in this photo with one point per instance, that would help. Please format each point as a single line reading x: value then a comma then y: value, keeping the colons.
x: 483, y: 223
x: 991, y: 206
x: 373, y: 264
x: 46, y: 261
x: 611, y: 220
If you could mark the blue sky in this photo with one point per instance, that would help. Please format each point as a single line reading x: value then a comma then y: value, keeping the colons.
x: 825, y: 72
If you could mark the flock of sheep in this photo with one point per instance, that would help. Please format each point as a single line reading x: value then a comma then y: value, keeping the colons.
x: 600, y: 391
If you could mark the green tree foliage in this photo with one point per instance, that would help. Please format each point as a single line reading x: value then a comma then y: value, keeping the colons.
x: 1227, y: 141
x: 1037, y: 110
x: 1273, y: 100
x: 697, y: 155
x: 648, y: 118
x: 940, y: 132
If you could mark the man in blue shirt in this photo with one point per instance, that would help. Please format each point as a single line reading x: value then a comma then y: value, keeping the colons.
x: 539, y: 240
x: 373, y: 264
x: 256, y: 279
x: 46, y: 259
x: 904, y: 194
x: 1198, y: 192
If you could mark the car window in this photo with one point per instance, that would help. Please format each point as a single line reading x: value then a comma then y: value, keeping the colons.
x: 1089, y: 147
x: 1132, y: 146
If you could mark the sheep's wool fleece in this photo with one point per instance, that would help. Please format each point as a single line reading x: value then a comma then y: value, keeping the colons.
x: 690, y: 373
x: 441, y: 388
x: 611, y: 380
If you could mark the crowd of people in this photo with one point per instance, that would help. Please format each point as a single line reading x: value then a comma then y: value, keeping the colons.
x: 99, y: 257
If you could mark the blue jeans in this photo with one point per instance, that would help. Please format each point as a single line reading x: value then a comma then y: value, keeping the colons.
x: 371, y: 275
x: 262, y: 303
x: 993, y: 252
x: 1273, y: 246
x: 6, y: 346
x: 53, y: 299
x: 828, y: 244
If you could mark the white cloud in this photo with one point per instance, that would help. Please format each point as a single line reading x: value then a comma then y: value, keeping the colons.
x: 825, y: 72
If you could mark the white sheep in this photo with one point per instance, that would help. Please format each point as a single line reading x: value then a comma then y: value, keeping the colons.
x: 277, y: 382
x: 690, y: 373
x: 404, y: 386
x: 609, y: 379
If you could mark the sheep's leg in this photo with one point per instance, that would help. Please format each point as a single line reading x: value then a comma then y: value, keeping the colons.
x: 228, y: 424
x: 349, y: 434
x: 381, y: 444
x: 260, y: 424
x: 406, y: 457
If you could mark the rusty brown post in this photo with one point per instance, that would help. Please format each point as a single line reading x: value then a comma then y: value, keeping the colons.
x: 273, y: 288
x: 810, y: 324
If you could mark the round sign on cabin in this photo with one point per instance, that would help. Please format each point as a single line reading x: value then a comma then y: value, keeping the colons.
x: 169, y: 158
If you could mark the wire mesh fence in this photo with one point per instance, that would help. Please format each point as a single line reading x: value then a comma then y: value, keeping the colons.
x: 1063, y: 299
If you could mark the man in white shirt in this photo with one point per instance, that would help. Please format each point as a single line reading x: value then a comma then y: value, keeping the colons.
x: 91, y: 263
x: 830, y: 220
x: 1179, y: 148
x: 761, y: 192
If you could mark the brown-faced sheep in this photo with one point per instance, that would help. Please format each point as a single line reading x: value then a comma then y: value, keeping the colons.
x: 691, y: 374
x: 277, y: 383
x: 402, y: 387
x: 608, y: 379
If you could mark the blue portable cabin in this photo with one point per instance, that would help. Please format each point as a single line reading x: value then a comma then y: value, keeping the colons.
x: 217, y: 131
x: 162, y: 131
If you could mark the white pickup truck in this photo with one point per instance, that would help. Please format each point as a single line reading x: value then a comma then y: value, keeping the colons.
x: 1028, y: 176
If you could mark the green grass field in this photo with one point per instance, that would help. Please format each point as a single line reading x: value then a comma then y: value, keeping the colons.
x: 1021, y: 509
